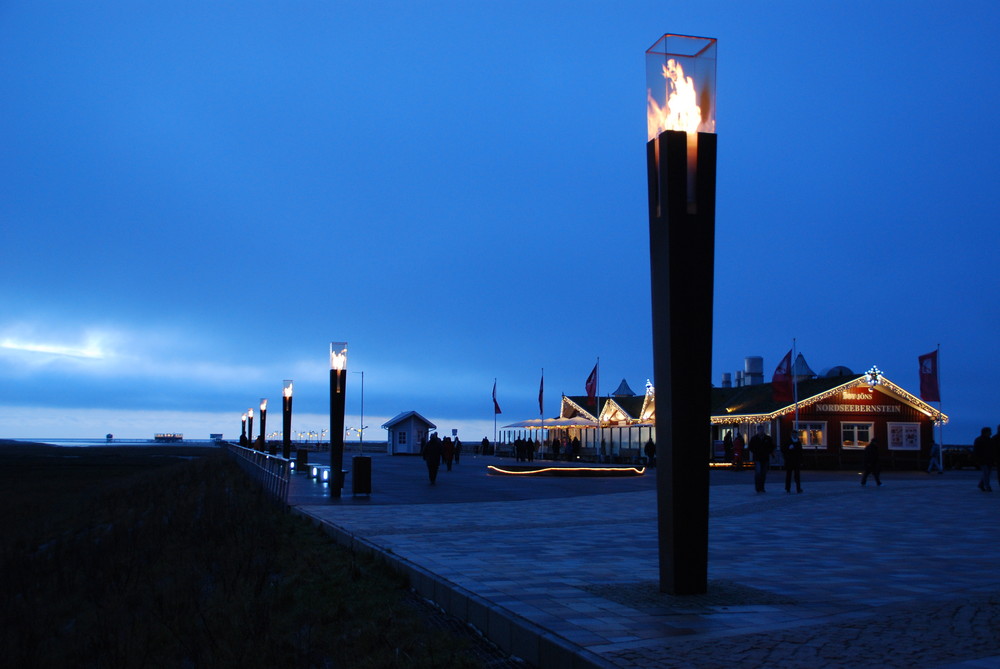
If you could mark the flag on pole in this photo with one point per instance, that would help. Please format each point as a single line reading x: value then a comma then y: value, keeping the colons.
x: 929, y: 390
x: 591, y: 387
x: 782, y: 384
x: 496, y: 407
x: 541, y: 395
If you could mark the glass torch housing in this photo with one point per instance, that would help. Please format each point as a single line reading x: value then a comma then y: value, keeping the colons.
x: 680, y: 85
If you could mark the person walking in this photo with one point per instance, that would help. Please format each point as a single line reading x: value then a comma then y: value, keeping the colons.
x: 458, y: 450
x: 935, y: 462
x: 738, y: 445
x: 982, y: 451
x: 447, y: 452
x: 995, y: 442
x: 761, y: 446
x: 791, y: 452
x: 873, y: 466
x: 432, y: 456
x: 650, y: 451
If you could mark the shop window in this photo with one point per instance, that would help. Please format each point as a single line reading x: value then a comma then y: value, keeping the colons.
x: 904, y: 436
x: 856, y: 435
x: 812, y: 435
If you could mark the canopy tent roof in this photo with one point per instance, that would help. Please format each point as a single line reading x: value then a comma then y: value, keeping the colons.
x: 548, y: 423
x: 623, y: 390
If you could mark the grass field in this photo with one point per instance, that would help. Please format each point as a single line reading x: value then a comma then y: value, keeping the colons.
x: 166, y: 556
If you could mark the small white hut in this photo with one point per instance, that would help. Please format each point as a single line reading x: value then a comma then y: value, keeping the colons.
x: 406, y: 432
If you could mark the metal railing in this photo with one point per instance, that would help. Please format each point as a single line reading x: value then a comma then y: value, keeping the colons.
x: 271, y: 471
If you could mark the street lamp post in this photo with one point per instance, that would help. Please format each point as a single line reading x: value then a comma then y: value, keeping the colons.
x: 338, y: 392
x: 286, y: 419
x: 680, y: 158
x: 243, y: 430
x: 361, y: 430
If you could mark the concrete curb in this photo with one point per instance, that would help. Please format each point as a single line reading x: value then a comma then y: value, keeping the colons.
x: 510, y: 632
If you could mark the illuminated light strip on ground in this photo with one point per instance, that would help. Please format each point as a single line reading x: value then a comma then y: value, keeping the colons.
x: 569, y: 471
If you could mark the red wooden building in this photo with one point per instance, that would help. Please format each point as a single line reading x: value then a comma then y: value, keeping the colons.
x: 837, y: 417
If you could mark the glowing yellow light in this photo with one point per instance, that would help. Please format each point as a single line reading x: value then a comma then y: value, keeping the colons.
x: 680, y: 110
x: 338, y: 356
x: 637, y: 471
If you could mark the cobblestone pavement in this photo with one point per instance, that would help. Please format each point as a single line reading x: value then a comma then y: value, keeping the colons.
x: 906, y: 574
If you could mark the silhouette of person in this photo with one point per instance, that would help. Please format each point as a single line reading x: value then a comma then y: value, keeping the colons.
x: 761, y: 446
x: 738, y: 444
x: 935, y: 462
x: 791, y: 452
x: 982, y: 451
x: 432, y: 456
x: 873, y: 466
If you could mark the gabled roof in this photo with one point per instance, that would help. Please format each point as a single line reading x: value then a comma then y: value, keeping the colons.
x: 406, y: 415
x: 756, y: 403
x: 577, y: 405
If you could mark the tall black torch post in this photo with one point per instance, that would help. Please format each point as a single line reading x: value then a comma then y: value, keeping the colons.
x: 250, y: 428
x: 243, y: 430
x: 338, y: 392
x: 262, y: 446
x: 680, y: 159
x: 286, y: 419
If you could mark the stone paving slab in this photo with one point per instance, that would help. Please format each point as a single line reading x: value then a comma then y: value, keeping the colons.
x: 906, y: 574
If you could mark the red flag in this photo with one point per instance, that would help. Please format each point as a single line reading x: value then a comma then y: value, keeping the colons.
x: 591, y: 386
x: 929, y: 390
x: 541, y: 395
x: 496, y: 407
x: 781, y: 382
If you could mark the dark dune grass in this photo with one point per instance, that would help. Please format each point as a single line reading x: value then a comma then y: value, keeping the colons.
x: 170, y: 556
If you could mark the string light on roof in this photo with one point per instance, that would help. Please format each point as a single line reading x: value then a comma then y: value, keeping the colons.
x: 874, y: 376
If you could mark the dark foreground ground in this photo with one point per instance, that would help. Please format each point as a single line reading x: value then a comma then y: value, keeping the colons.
x: 168, y: 556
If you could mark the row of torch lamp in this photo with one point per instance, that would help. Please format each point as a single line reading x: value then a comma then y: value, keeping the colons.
x: 338, y: 393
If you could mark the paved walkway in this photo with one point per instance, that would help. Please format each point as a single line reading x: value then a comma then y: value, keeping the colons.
x: 563, y: 572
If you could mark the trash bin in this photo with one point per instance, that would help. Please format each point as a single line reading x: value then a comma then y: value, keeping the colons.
x: 302, y: 461
x: 362, y: 476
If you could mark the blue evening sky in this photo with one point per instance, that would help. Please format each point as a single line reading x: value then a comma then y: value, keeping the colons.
x: 197, y: 197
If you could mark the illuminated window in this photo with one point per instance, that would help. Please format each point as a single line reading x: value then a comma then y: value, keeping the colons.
x: 856, y: 435
x: 904, y: 436
x: 812, y: 435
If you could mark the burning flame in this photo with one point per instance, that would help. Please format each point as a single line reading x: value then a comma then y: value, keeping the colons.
x: 287, y: 390
x: 680, y: 110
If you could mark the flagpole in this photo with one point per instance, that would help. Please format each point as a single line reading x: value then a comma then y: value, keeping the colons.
x: 795, y: 387
x: 940, y: 422
x: 494, y: 415
x: 600, y: 425
x: 541, y: 409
